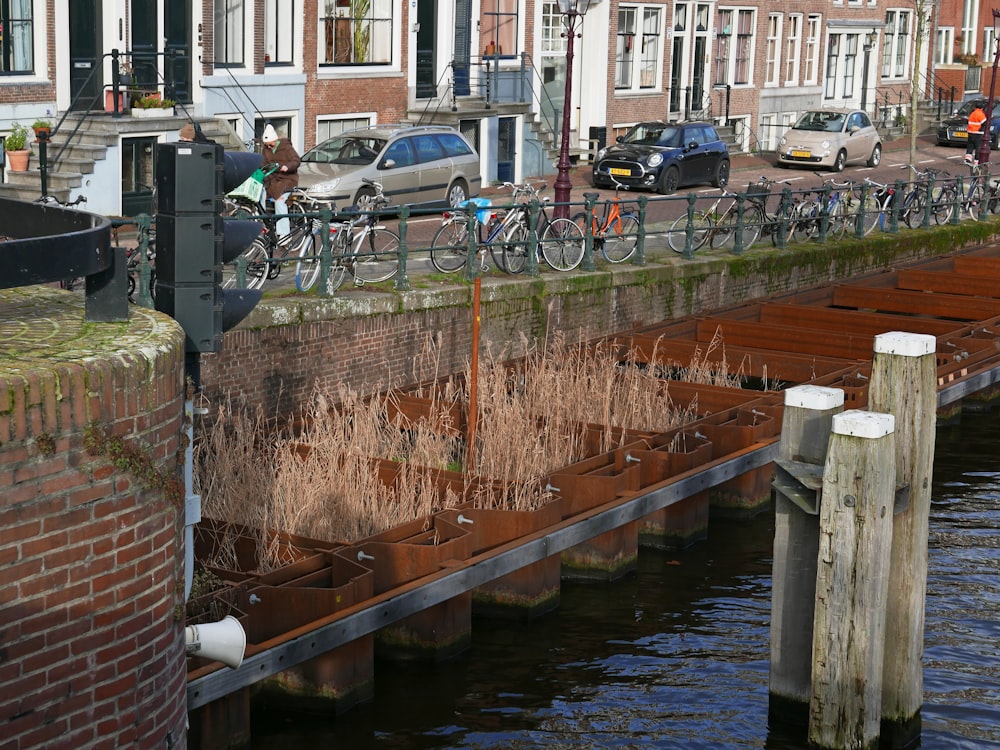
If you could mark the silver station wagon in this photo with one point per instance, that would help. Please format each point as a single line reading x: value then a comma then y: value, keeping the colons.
x: 417, y: 165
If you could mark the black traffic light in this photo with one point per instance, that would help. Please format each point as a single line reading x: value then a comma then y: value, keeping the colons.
x: 193, y: 241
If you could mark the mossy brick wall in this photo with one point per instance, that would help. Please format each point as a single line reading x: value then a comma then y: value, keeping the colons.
x: 373, y: 341
x: 91, y: 653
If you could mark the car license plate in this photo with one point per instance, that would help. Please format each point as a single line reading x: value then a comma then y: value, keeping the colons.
x: 620, y: 171
x: 960, y: 134
x: 801, y: 154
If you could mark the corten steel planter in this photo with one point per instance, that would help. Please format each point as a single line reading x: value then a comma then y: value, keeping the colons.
x: 750, y: 493
x: 602, y: 480
x: 685, y: 522
x: 242, y: 545
x: 402, y: 555
x: 287, y: 602
x: 526, y: 593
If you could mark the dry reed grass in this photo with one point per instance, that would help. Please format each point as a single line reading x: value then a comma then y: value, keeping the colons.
x: 532, y: 419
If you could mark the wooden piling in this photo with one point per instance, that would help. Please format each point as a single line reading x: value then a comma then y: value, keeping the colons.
x: 903, y: 384
x: 852, y: 581
x: 805, y: 433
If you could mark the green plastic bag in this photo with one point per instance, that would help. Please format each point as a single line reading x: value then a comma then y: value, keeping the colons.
x: 251, y: 189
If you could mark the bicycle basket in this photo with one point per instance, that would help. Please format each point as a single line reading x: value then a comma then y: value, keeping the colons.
x: 758, y: 191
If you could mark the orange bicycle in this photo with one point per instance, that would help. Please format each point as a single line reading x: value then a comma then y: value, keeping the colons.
x: 616, y: 234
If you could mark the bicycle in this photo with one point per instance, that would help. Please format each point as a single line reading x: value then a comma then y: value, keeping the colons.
x: 878, y: 203
x: 915, y: 201
x: 616, y: 234
x: 494, y: 231
x: 371, y: 255
x: 560, y: 240
x: 715, y: 231
x: 809, y: 212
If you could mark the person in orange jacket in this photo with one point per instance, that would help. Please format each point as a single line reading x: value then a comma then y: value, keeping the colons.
x: 977, y: 118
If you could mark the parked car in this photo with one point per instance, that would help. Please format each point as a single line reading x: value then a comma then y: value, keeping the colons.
x: 417, y: 165
x: 830, y: 138
x: 952, y: 130
x: 664, y: 156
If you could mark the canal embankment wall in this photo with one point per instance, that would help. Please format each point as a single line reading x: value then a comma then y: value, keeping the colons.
x: 370, y: 340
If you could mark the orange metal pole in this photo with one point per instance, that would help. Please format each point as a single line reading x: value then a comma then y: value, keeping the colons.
x: 470, y: 452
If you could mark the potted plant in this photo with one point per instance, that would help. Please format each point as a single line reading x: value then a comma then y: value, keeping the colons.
x: 152, y: 105
x: 42, y: 127
x: 16, y: 146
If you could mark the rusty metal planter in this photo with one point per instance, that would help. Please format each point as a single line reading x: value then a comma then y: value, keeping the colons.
x: 244, y: 544
x: 402, y: 555
x: 748, y: 494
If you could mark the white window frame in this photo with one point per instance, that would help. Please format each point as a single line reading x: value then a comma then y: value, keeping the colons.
x: 244, y: 44
x: 772, y: 55
x: 989, y: 46
x: 769, y: 124
x: 728, y: 60
x: 647, y: 30
x: 970, y: 18
x: 388, y: 51
x: 813, y: 31
x: 282, y: 38
x: 943, y: 54
x: 793, y: 48
x: 896, y: 42
x: 330, y: 126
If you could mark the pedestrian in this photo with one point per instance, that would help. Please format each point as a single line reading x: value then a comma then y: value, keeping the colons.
x: 975, y: 131
x: 279, y: 184
x: 191, y: 132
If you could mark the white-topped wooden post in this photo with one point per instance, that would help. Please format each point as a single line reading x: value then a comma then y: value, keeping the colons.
x: 852, y: 581
x: 904, y: 384
x: 805, y: 434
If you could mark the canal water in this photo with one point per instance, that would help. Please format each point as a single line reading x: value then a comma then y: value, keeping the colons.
x: 676, y: 655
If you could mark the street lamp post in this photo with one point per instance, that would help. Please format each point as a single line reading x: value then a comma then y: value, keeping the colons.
x: 984, y: 145
x: 572, y: 10
x: 870, y: 38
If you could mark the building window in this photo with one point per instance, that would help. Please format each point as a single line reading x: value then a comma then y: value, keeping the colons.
x: 811, y: 57
x: 850, y: 57
x: 945, y: 41
x: 356, y: 32
x: 330, y: 127
x: 734, y: 46
x: 832, y: 61
x: 989, y: 45
x: 17, y: 50
x: 772, y: 61
x: 638, y: 53
x: 229, y: 32
x: 896, y: 44
x: 793, y: 46
x: 279, y: 32
x: 767, y: 127
x: 553, y: 45
x: 499, y: 26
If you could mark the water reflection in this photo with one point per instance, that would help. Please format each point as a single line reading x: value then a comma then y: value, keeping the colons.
x: 676, y: 655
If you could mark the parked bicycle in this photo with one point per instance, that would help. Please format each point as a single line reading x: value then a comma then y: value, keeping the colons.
x: 914, y: 202
x: 616, y: 233
x: 817, y: 204
x: 360, y: 245
x: 716, y: 226
x: 879, y: 199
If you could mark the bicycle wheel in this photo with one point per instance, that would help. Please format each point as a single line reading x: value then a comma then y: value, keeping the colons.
x: 976, y: 198
x: 677, y: 234
x: 514, y: 246
x: 376, y: 256
x: 724, y: 234
x: 620, y: 244
x: 836, y: 225
x: 581, y: 222
x: 562, y: 244
x: 914, y: 209
x: 872, y: 215
x: 257, y: 267
x: 307, y: 267
x: 943, y: 206
x: 805, y: 222
x: 450, y: 247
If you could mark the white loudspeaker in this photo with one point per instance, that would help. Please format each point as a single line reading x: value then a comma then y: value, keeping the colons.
x: 223, y: 641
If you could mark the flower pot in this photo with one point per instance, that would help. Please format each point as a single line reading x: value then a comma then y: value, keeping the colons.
x: 39, y: 132
x: 152, y: 112
x: 109, y: 102
x: 17, y: 161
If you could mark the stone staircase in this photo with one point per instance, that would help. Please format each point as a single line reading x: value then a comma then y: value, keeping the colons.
x: 83, y: 140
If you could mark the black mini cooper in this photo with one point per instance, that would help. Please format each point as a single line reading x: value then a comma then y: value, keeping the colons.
x: 664, y: 156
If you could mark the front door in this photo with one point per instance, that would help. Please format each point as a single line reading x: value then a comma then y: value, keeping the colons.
x: 86, y: 80
x: 177, y: 33
x: 145, y: 64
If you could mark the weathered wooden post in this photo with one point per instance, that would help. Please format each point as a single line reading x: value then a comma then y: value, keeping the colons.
x: 805, y: 433
x: 904, y: 384
x: 852, y: 581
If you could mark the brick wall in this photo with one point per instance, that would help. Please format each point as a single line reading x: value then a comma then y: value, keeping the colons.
x: 91, y: 653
